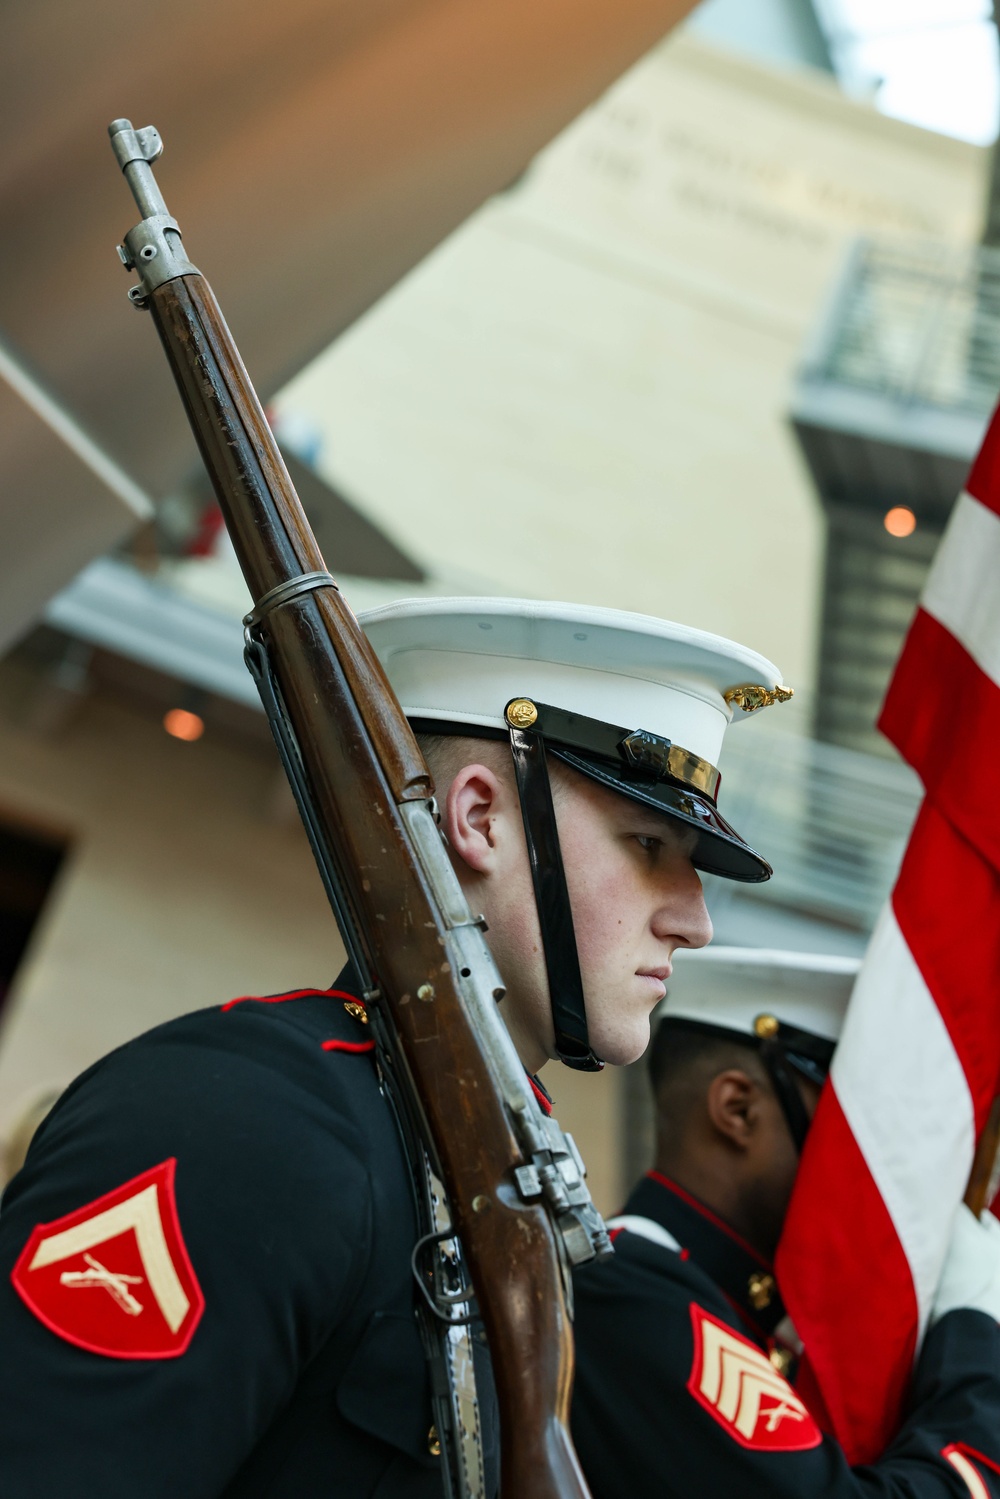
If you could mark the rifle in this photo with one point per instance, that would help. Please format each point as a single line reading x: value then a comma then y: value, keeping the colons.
x: 514, y: 1181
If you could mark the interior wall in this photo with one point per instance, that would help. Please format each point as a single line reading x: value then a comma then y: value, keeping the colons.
x: 178, y: 891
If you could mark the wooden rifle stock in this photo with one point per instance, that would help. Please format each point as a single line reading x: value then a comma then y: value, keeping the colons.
x: 364, y: 774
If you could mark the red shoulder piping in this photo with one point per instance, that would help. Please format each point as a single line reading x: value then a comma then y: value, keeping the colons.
x: 279, y: 999
x: 544, y: 1101
x: 963, y: 1450
x: 692, y: 1202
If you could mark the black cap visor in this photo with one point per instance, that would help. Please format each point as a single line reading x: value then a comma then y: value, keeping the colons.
x: 719, y: 849
x: 640, y: 766
x: 809, y: 1054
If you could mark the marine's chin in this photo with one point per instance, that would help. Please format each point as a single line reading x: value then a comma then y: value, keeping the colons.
x: 622, y: 1046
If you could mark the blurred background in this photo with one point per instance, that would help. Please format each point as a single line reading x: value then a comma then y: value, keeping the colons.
x: 691, y: 314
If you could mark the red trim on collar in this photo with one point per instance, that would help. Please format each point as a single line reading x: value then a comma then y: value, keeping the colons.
x: 353, y: 1046
x: 699, y: 1207
x: 544, y: 1101
x: 279, y: 999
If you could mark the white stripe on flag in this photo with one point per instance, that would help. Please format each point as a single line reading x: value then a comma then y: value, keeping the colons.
x: 963, y: 586
x: 904, y: 1094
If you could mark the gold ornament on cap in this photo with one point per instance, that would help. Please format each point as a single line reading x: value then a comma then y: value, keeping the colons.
x: 765, y: 1026
x: 522, y: 713
x: 752, y: 696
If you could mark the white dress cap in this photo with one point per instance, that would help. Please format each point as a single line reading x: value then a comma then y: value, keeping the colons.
x: 462, y: 660
x: 732, y: 986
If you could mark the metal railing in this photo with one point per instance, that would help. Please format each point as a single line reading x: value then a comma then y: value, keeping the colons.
x: 833, y: 822
x: 915, y: 321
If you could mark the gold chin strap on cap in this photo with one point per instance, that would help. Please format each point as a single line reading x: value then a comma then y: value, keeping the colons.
x: 670, y: 762
x: 639, y: 749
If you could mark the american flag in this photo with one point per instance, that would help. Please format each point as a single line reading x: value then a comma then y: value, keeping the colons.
x: 888, y: 1156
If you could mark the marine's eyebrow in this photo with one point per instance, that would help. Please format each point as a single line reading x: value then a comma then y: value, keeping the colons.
x: 647, y: 823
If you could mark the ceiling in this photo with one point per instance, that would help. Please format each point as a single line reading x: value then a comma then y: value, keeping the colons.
x: 315, y: 150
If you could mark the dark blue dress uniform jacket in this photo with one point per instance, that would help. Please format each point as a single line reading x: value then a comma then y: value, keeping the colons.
x: 305, y: 1375
x: 653, y: 1418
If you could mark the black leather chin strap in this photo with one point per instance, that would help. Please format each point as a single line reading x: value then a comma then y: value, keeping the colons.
x: 790, y: 1098
x: 555, y: 916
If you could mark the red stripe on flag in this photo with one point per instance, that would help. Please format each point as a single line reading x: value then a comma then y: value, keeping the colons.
x: 984, y: 478
x: 845, y: 1275
x: 837, y: 1217
x: 947, y: 905
x: 808, y: 1390
x: 943, y: 715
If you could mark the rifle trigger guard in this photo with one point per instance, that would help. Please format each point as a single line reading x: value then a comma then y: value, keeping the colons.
x: 442, y: 1303
x: 284, y: 593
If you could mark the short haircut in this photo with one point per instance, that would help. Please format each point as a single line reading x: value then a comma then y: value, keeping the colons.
x: 434, y: 747
x: 446, y: 754
x: 683, y: 1059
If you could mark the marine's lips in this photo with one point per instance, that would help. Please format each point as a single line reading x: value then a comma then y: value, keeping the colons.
x: 658, y: 975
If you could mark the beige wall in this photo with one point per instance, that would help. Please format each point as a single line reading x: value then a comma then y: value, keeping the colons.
x: 583, y: 393
x: 178, y: 892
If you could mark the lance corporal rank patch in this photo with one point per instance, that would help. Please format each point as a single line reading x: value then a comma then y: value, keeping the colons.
x: 114, y: 1277
x: 741, y: 1389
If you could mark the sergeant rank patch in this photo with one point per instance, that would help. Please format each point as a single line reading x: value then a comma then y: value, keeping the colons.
x: 739, y: 1386
x: 114, y: 1277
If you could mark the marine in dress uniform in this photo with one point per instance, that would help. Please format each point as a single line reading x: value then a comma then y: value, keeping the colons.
x: 205, y: 1263
x: 685, y: 1355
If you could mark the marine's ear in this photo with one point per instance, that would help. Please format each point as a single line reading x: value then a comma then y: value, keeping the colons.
x: 733, y: 1102
x: 475, y: 800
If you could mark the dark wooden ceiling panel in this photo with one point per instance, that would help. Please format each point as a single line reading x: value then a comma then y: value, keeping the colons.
x: 314, y: 153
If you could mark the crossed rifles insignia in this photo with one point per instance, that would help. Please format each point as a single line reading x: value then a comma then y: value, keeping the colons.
x: 114, y: 1277
x: 741, y: 1389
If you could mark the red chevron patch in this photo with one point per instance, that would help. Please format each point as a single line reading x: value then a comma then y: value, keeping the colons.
x: 114, y: 1277
x: 740, y: 1388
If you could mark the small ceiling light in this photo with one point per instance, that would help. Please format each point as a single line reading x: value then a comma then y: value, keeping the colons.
x: 181, y: 724
x: 900, y: 521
